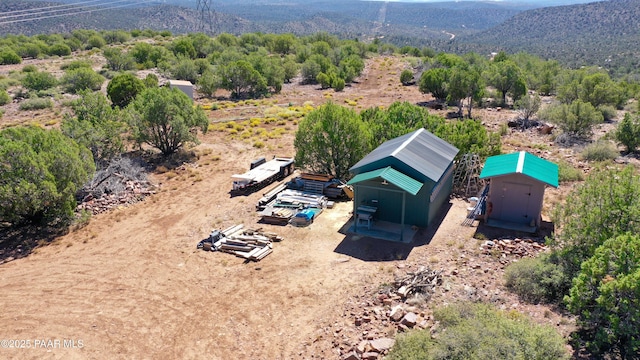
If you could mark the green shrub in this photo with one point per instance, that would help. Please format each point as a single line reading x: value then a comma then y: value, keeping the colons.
x: 406, y: 77
x: 412, y: 345
x: 32, y: 50
x: 604, y: 206
x: 606, y: 297
x: 96, y: 126
x: 108, y: 74
x: 117, y: 60
x: 628, y: 132
x: 151, y: 80
x: 567, y: 173
x: 185, y: 69
x: 8, y: 57
x: 600, y: 151
x: 479, y: 332
x: 608, y: 112
x: 29, y: 68
x: 470, y: 136
x: 81, y: 79
x: 123, y: 89
x: 116, y: 36
x: 5, y: 98
x: 576, y: 119
x: 166, y: 119
x: 47, y: 168
x: 6, y: 83
x: 73, y: 43
x: 537, y: 280
x: 76, y: 64
x: 324, y: 80
x: 36, y: 104
x: 95, y: 41
x: 338, y: 84
x: 39, y: 81
x: 59, y: 49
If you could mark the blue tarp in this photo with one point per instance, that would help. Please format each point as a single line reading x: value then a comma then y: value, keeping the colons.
x: 307, y: 214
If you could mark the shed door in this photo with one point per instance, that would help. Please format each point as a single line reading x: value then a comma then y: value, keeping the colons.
x: 515, y: 203
x: 390, y: 206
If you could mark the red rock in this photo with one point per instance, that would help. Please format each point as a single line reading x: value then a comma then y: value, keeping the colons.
x: 382, y: 344
x: 362, y: 347
x: 396, y: 313
x: 370, y: 355
x: 351, y: 356
x: 409, y: 320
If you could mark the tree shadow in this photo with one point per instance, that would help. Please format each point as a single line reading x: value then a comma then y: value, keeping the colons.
x: 20, y: 241
x: 159, y: 163
x: 433, y: 104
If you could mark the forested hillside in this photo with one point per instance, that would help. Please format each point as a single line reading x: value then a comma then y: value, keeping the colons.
x: 349, y: 19
x: 600, y: 33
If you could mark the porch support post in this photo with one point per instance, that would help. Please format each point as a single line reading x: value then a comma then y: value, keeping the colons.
x: 404, y: 200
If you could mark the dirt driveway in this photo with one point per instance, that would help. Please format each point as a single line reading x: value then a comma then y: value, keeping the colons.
x: 132, y: 284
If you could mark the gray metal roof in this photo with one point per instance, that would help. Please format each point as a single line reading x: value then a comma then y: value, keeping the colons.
x: 420, y: 150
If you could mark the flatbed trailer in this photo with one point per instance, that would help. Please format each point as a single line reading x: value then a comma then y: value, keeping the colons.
x: 261, y: 174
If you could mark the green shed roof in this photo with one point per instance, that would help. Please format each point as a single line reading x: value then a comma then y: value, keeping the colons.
x: 521, y: 163
x: 393, y: 176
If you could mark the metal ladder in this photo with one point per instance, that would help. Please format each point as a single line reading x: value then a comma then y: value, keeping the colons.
x: 466, y: 175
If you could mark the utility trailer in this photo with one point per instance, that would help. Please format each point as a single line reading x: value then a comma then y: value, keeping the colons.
x: 261, y: 174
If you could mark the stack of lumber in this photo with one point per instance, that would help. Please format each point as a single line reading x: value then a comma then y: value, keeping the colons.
x: 322, y: 184
x: 277, y: 216
x: 316, y: 177
x: 269, y: 196
x: 249, y: 244
x: 306, y: 200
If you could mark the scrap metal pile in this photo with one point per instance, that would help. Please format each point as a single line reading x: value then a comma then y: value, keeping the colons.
x: 288, y: 203
x: 246, y: 243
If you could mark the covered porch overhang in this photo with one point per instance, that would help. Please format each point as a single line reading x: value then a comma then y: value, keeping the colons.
x: 364, y: 219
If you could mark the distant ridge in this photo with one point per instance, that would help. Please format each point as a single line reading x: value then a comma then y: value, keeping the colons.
x: 605, y: 33
x: 346, y: 18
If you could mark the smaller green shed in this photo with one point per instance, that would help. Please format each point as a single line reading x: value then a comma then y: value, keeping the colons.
x: 516, y: 189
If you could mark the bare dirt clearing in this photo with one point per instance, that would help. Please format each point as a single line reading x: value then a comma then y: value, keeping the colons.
x: 131, y: 284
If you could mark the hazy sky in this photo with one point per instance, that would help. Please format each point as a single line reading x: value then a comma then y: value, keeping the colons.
x: 554, y: 2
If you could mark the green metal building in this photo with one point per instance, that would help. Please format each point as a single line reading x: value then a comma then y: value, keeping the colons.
x: 406, y: 179
x: 516, y: 190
